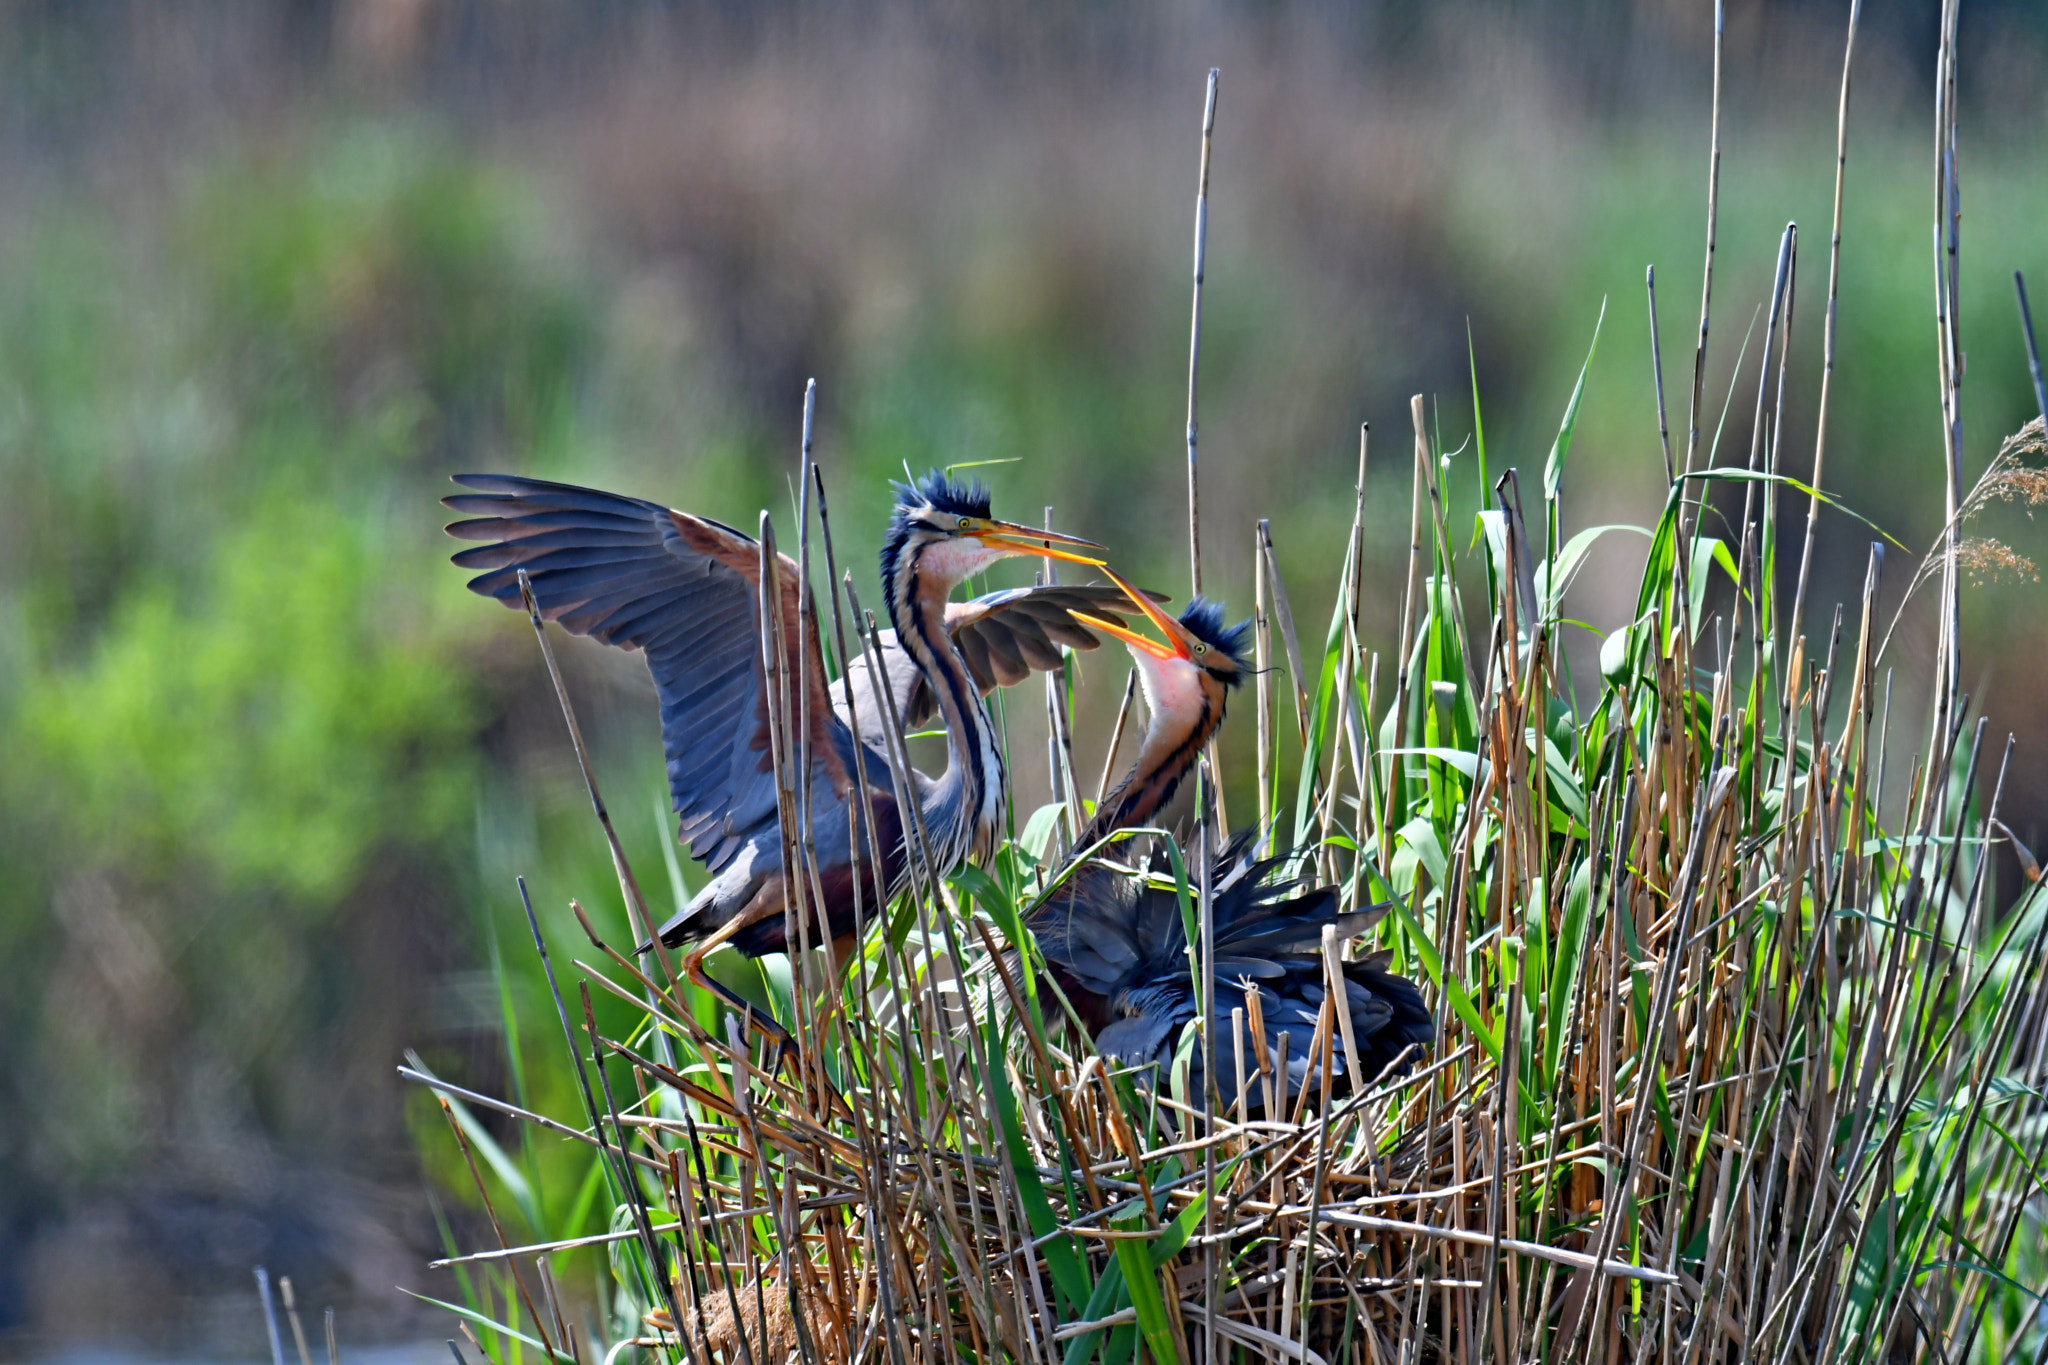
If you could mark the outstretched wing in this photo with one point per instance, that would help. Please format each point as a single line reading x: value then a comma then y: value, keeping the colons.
x: 683, y: 590
x: 1005, y: 636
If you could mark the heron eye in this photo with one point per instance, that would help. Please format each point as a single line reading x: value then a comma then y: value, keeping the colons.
x: 1201, y: 649
x: 963, y: 523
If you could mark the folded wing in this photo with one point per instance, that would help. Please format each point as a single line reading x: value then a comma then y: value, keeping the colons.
x: 1125, y: 946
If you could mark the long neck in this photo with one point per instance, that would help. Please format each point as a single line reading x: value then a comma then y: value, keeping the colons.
x: 964, y: 807
x: 1173, y: 742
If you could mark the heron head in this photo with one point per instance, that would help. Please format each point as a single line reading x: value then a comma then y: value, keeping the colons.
x: 943, y: 526
x: 1200, y: 660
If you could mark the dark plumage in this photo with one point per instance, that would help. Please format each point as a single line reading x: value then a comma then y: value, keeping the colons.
x: 943, y: 493
x: 1116, y: 944
x: 1203, y: 619
x: 683, y: 591
x: 1121, y: 956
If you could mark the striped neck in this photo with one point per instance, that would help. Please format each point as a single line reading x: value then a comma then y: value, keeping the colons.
x: 1173, y: 744
x: 964, y: 808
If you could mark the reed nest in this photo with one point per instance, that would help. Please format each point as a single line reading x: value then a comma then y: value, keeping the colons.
x: 1740, y: 1048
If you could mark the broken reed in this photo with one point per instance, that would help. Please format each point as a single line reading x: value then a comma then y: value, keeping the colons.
x: 1724, y: 1060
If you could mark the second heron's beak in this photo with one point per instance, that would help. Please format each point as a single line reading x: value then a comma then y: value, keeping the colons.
x: 1176, y: 644
x: 1030, y: 540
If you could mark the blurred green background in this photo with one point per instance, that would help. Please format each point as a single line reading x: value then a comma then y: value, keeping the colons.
x: 270, y: 272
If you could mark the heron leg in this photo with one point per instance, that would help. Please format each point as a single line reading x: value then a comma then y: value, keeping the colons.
x: 788, y: 1056
x: 750, y: 1015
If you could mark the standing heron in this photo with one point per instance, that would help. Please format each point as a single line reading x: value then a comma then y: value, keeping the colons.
x: 1116, y: 943
x: 685, y: 591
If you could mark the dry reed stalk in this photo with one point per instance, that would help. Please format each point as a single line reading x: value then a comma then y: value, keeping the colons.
x: 1699, y: 362
x: 1949, y: 355
x: 1195, y: 332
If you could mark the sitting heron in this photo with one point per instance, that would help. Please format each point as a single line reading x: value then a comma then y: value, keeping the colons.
x: 1115, y: 942
x: 685, y: 591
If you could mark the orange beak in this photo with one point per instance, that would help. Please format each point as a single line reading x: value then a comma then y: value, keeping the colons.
x: 1030, y: 540
x: 1175, y: 646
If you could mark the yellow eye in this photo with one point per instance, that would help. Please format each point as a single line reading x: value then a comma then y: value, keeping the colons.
x: 964, y: 523
x: 1201, y: 649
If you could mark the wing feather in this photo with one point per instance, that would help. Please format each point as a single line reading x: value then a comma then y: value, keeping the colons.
x: 1124, y: 948
x: 1008, y: 634
x: 1004, y: 636
x: 684, y: 591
